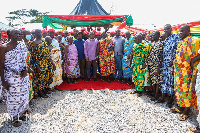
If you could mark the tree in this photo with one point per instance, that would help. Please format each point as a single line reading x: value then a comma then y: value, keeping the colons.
x: 20, y: 17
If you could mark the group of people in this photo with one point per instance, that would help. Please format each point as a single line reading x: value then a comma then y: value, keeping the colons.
x: 35, y: 63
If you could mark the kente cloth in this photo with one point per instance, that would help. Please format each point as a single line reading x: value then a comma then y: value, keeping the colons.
x: 147, y: 79
x: 154, y: 60
x: 169, y: 52
x: 187, y: 49
x: 62, y: 58
x: 106, y: 57
x: 33, y: 63
x: 31, y: 93
x: 140, y: 52
x: 17, y: 100
x: 55, y: 56
x: 128, y: 46
x: 72, y: 70
x: 197, y: 89
x: 46, y: 74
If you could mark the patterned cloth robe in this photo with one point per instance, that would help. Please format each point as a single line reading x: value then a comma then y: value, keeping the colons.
x: 154, y: 60
x: 72, y: 70
x: 128, y: 46
x: 31, y: 94
x: 169, y: 52
x: 197, y: 89
x: 46, y: 74
x: 140, y: 52
x: 33, y: 65
x: 55, y: 56
x: 187, y: 49
x: 106, y: 57
x: 17, y: 100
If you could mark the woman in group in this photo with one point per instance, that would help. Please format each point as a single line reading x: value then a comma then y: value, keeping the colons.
x: 71, y: 61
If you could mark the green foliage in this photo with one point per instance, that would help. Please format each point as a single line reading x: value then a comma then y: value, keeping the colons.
x: 19, y: 17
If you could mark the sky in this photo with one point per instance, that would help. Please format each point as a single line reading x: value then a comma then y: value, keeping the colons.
x: 150, y: 14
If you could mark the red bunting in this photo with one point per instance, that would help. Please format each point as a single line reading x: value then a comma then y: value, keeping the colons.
x: 86, y: 17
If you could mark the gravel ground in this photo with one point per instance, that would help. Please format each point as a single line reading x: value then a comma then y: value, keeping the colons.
x: 97, y: 111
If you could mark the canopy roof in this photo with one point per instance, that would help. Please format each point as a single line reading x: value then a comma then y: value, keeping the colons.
x: 88, y: 7
x: 84, y: 20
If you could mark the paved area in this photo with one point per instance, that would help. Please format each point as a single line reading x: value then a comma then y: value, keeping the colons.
x: 97, y: 111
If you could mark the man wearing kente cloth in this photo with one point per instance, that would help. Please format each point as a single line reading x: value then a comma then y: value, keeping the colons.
x: 106, y: 57
x: 14, y: 77
x: 154, y: 62
x: 45, y: 66
x: 184, y: 70
x: 139, y: 54
x: 128, y: 46
x: 169, y: 52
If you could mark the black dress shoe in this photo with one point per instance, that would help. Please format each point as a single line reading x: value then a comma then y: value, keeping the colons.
x: 83, y: 79
x: 95, y: 80
x: 88, y: 80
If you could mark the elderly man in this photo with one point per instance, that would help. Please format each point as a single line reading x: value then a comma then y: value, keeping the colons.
x: 138, y: 57
x: 106, y: 57
x: 118, y: 51
x: 184, y: 70
x: 169, y: 52
x: 154, y: 62
x: 14, y: 77
x: 66, y: 33
x: 128, y: 47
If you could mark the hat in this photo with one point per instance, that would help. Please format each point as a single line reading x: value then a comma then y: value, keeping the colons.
x: 83, y: 29
x: 98, y: 28
x: 88, y: 27
x: 44, y: 31
x: 94, y: 31
x: 51, y: 30
x: 112, y: 32
x: 98, y: 33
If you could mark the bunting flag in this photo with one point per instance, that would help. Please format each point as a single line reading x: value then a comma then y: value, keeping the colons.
x: 83, y: 20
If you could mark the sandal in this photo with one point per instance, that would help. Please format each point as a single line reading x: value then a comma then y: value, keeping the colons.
x: 169, y: 104
x: 27, y: 112
x: 153, y: 99
x: 16, y: 123
x: 102, y: 80
x: 23, y: 118
x: 160, y: 101
x: 175, y: 110
x: 134, y: 92
x: 183, y: 117
x: 195, y: 129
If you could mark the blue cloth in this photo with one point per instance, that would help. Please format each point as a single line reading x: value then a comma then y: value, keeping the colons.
x: 118, y: 67
x: 128, y: 46
x: 80, y: 47
x: 169, y: 54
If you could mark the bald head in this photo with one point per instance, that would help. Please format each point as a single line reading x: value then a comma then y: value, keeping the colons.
x: 143, y: 34
x: 38, y: 34
x: 184, y: 31
x: 117, y: 32
x: 156, y: 35
x: 138, y: 38
x: 168, y: 30
x: 15, y: 35
x: 48, y: 39
x: 128, y: 34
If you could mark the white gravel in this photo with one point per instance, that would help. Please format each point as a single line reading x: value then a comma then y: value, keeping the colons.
x: 97, y: 111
